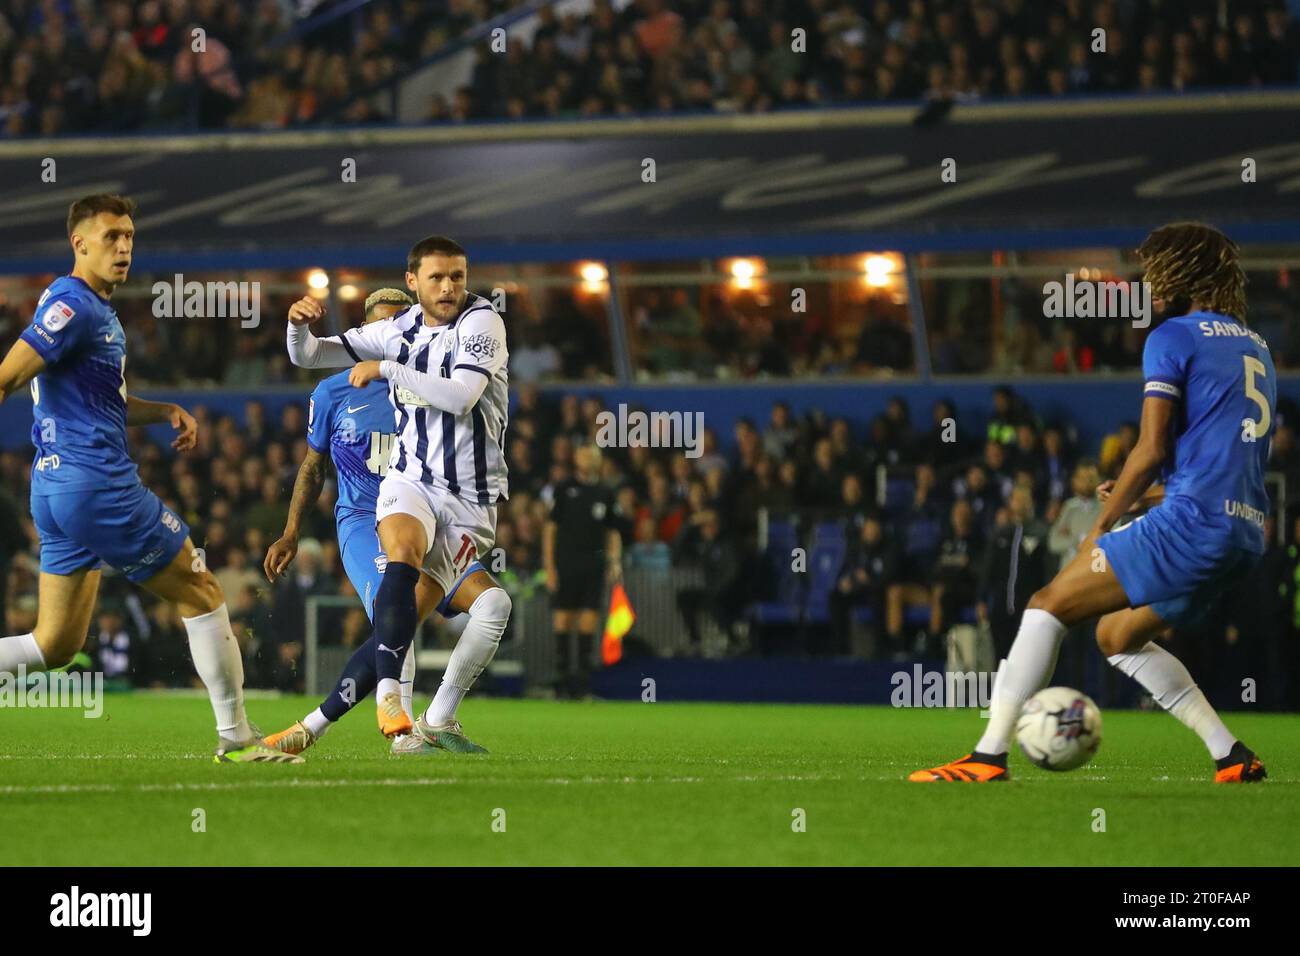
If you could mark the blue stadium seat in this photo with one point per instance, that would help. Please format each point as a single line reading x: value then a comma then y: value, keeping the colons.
x: 787, y: 601
x: 824, y: 563
x: 898, y: 493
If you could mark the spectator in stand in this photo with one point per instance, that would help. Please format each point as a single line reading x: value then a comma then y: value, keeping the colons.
x: 956, y: 570
x: 133, y: 67
x: 1015, y: 566
x: 869, y: 566
x: 918, y: 531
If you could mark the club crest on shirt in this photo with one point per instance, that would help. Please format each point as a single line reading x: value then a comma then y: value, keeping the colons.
x: 57, y: 316
x: 480, y: 346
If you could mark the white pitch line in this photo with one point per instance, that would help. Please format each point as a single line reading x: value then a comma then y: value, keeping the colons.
x: 19, y: 790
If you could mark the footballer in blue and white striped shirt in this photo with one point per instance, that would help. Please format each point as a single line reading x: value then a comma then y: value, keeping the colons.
x: 445, y: 363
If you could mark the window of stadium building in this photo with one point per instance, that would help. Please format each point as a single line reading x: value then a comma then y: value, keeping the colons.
x: 1074, y: 311
x: 748, y: 317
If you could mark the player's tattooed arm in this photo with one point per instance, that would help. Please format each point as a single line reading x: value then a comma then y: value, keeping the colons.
x: 20, y: 366
x: 306, y: 491
x: 141, y: 412
x: 1142, y: 466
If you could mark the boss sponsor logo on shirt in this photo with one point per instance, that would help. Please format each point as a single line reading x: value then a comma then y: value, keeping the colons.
x: 481, y: 346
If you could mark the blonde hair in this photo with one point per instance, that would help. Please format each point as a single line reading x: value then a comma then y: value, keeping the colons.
x: 1196, y: 262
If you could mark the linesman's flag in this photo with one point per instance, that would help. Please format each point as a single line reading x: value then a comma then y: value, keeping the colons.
x: 620, y: 621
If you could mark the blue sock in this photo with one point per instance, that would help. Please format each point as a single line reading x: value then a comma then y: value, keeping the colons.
x: 395, y: 619
x: 356, y: 684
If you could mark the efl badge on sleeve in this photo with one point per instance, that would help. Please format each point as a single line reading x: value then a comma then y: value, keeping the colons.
x: 57, y: 316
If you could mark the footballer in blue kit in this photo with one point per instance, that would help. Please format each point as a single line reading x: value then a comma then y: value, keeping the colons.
x: 1207, y: 414
x: 87, y: 501
x: 355, y: 428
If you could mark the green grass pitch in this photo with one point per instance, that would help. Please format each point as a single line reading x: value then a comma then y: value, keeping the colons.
x: 627, y: 783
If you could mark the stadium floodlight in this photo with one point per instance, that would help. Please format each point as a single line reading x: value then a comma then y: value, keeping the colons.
x: 593, y: 273
x: 877, y: 270
x: 318, y: 279
x: 743, y: 272
x: 349, y: 292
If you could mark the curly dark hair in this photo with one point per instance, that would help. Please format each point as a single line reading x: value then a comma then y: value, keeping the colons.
x: 1188, y: 262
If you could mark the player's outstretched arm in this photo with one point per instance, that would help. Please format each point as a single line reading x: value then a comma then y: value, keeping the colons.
x: 306, y: 491
x: 1143, y: 463
x: 20, y: 366
x: 333, y: 351
x: 142, y: 412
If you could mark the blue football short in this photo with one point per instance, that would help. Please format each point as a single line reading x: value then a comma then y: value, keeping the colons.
x: 1176, y: 561
x: 128, y: 528
x: 364, y: 562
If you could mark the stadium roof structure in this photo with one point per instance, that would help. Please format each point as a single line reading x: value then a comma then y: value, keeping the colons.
x: 1035, y: 174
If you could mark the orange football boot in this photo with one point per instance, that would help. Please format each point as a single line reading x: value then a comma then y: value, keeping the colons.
x: 392, y: 719
x: 1240, y: 766
x: 972, y: 768
x: 294, y: 740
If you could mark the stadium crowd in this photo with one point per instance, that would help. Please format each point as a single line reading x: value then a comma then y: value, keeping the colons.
x: 81, y: 66
x: 690, y: 334
x: 970, y: 522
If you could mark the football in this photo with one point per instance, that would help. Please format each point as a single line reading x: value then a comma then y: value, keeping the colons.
x: 1059, y: 729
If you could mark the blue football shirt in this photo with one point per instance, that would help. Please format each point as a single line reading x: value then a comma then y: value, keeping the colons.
x: 79, y: 409
x: 1222, y: 376
x: 355, y: 427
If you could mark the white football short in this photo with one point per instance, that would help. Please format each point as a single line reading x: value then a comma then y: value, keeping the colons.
x: 459, y: 532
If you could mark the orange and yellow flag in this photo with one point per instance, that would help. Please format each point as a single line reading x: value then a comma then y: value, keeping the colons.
x: 620, y: 621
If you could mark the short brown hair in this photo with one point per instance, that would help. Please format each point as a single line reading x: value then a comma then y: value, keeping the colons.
x: 433, y: 246
x: 88, y: 207
x: 1188, y: 262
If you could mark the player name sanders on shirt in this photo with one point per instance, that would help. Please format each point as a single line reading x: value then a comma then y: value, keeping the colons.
x: 1231, y: 328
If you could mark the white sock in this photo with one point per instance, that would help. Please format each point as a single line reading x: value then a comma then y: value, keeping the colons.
x: 1026, y: 671
x: 317, y: 723
x: 221, y: 668
x: 387, y: 686
x: 478, y: 644
x: 408, y: 681
x: 1172, y: 687
x: 20, y: 651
